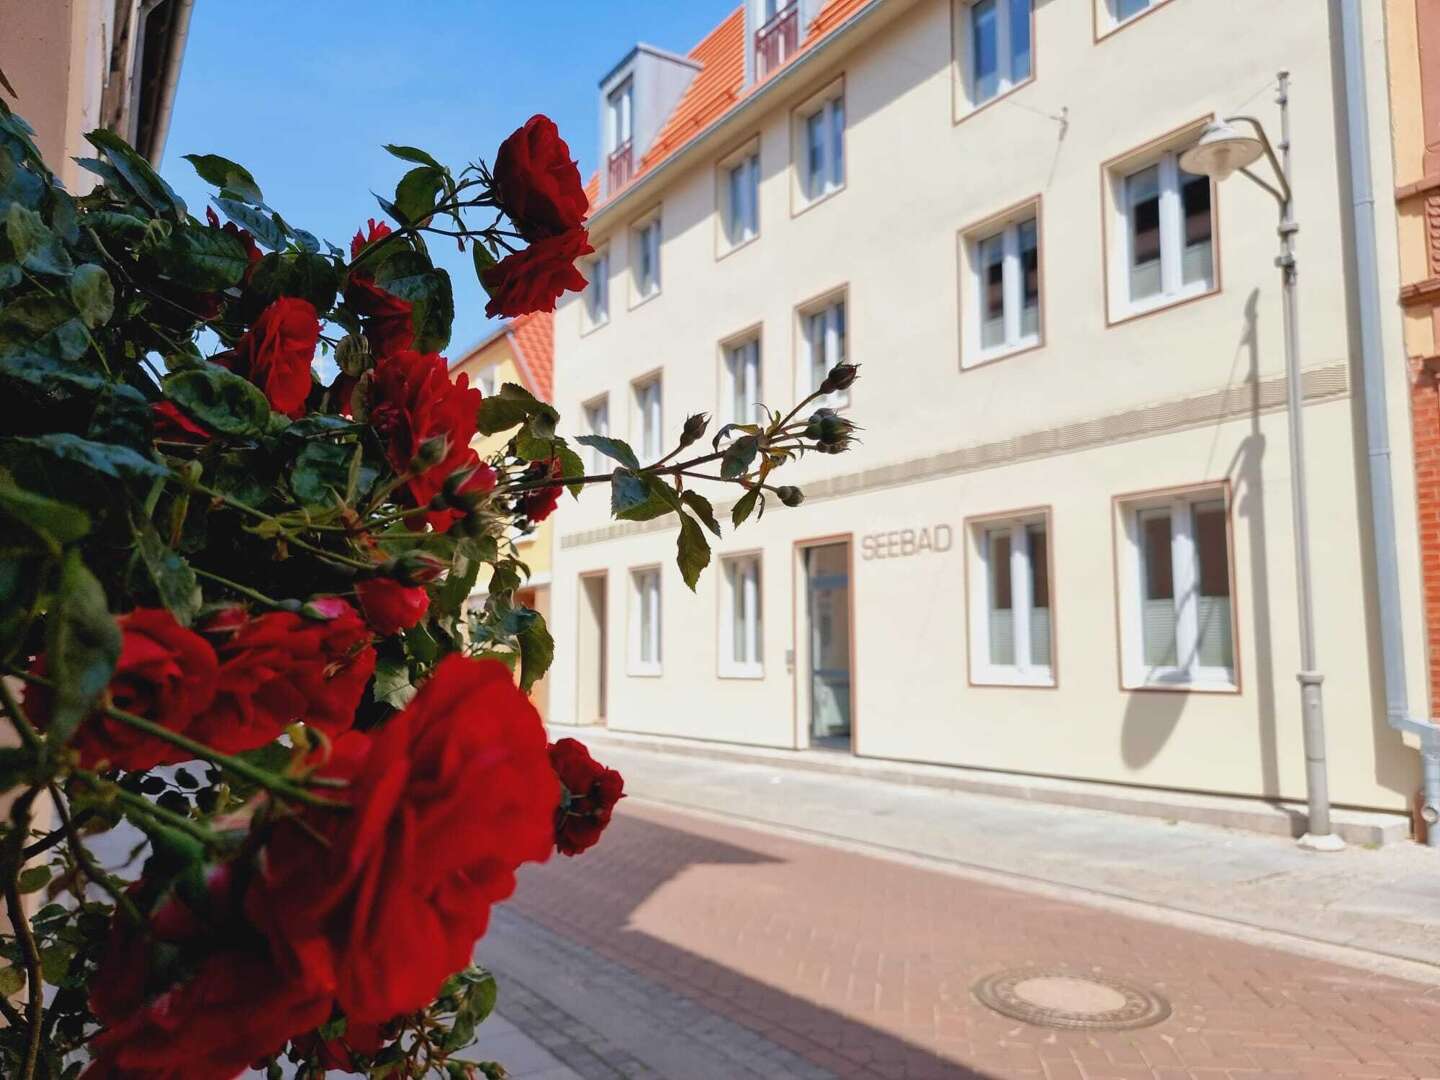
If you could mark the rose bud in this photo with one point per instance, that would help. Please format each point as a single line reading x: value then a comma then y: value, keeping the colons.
x: 840, y: 378
x: 414, y: 568
x: 353, y: 355
x: 694, y: 428
x: 431, y: 453
x: 790, y: 496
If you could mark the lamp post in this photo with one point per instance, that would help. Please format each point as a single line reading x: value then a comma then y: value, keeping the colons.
x: 1222, y: 151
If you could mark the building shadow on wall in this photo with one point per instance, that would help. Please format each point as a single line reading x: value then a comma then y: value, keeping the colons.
x: 1151, y: 718
x: 594, y: 900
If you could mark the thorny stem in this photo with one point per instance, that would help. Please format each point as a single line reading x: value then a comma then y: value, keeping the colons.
x: 600, y: 478
x: 244, y: 590
x: 20, y: 920
x: 82, y: 859
x: 236, y: 504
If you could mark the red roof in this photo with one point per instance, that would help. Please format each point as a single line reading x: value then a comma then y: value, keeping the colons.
x: 532, y: 340
x: 719, y: 86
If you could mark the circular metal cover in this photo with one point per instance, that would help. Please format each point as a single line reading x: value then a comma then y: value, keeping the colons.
x: 1063, y: 999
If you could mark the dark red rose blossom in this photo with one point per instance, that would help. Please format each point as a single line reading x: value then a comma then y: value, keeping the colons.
x: 451, y: 795
x: 537, y: 183
x: 252, y: 250
x: 339, y: 1053
x: 172, y: 425
x: 361, y: 240
x: 412, y: 400
x: 166, y: 673
x: 590, y: 794
x: 282, y: 667
x: 388, y: 324
x: 533, y: 279
x: 276, y: 351
x: 389, y: 606
x: 537, y: 504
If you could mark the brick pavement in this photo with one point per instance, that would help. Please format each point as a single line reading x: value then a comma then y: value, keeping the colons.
x: 862, y: 966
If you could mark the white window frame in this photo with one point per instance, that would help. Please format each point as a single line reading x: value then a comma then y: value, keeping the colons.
x: 620, y: 109
x: 742, y: 615
x: 965, y: 52
x: 1173, y: 288
x: 1025, y: 671
x: 597, y: 289
x: 648, y: 429
x: 646, y: 236
x: 597, y: 422
x: 647, y: 591
x: 837, y: 335
x: 742, y: 374
x: 1109, y: 18
x: 829, y: 178
x: 1188, y: 673
x: 972, y: 311
x: 745, y: 210
x: 485, y: 380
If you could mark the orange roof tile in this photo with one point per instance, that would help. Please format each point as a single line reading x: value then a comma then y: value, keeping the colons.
x: 719, y: 86
x: 534, y: 340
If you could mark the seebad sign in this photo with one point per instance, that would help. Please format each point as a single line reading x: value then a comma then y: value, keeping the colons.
x: 900, y: 543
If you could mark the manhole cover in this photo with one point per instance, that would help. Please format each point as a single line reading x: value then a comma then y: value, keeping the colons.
x: 1062, y: 999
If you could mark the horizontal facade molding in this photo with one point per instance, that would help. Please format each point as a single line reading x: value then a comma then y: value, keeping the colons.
x: 1226, y: 404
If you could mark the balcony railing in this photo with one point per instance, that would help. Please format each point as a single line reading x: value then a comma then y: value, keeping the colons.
x: 776, y: 41
x: 622, y: 165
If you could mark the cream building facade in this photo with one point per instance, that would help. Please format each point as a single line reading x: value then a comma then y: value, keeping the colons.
x: 1065, y: 545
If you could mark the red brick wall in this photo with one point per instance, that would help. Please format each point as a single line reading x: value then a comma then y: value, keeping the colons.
x: 1425, y: 416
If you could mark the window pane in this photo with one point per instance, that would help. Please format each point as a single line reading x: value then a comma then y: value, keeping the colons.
x: 1125, y: 9
x: 737, y: 612
x: 752, y: 191
x: 1215, y: 647
x: 837, y: 142
x: 736, y: 218
x: 1158, y: 598
x: 815, y: 142
x: 991, y: 258
x: 1002, y: 614
x: 1142, y: 200
x: 985, y: 49
x: 1197, y: 261
x: 1019, y: 40
x: 1039, y: 595
x: 837, y: 348
x: 1029, y: 244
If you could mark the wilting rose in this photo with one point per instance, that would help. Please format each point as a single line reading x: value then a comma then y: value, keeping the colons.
x: 533, y: 279
x: 590, y: 794
x: 276, y: 351
x: 537, y: 182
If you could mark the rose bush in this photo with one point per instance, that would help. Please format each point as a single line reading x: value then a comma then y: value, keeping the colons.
x: 246, y: 507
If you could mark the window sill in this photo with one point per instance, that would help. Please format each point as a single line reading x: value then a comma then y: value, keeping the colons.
x: 1132, y: 311
x: 727, y: 250
x: 808, y: 204
x: 1185, y: 684
x: 640, y: 301
x: 742, y: 671
x: 1015, y: 677
x: 1002, y: 352
x: 1112, y: 25
x: 589, y: 328
x: 643, y: 671
x: 970, y: 108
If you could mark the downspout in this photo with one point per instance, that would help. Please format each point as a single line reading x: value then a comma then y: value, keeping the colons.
x: 169, y: 80
x: 1377, y: 432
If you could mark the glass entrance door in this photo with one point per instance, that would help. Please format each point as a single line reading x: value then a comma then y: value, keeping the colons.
x: 827, y: 606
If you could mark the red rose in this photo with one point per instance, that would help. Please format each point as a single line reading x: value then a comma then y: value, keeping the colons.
x: 533, y: 279
x: 172, y: 425
x: 450, y: 796
x: 590, y: 794
x: 537, y: 183
x: 412, y: 400
x: 339, y: 1053
x: 537, y: 504
x: 282, y: 667
x: 360, y: 241
x: 252, y: 250
x: 165, y: 673
x: 276, y: 351
x: 389, y: 327
x: 390, y: 607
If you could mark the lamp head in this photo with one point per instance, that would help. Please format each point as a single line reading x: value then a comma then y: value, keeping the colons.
x: 1220, y: 151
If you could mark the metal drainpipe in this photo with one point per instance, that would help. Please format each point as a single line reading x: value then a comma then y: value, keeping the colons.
x: 1372, y: 378
x: 169, y: 80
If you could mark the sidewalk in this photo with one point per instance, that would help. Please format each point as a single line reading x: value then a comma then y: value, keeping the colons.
x: 1377, y: 909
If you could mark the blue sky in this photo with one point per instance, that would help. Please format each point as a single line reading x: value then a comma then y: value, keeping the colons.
x: 305, y: 92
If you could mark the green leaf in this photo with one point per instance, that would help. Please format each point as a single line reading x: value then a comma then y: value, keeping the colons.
x: 571, y: 465
x: 256, y: 222
x: 202, y: 258
x: 321, y: 473
x: 58, y: 522
x: 42, y: 325
x: 508, y: 407
x: 632, y: 497
x: 702, y: 509
x: 93, y: 293
x: 304, y: 275
x: 451, y: 594
x: 16, y: 765
x: 483, y: 259
x: 219, y: 399
x: 693, y: 550
x: 421, y: 644
x: 81, y: 649
x: 744, y: 506
x: 537, y: 647
x: 34, y: 879
x: 12, y: 980
x: 738, y: 457
x: 230, y: 178
x: 414, y: 155
x: 144, y: 181
x: 107, y: 459
x: 36, y: 248
x: 409, y: 275
x: 615, y: 449
x: 175, y: 581
x: 416, y: 193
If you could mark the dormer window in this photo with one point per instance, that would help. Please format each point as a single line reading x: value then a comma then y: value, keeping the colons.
x: 621, y: 109
x: 778, y: 35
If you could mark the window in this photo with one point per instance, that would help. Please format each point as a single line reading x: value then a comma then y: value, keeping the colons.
x: 597, y: 290
x: 1165, y: 226
x: 740, y: 644
x: 597, y: 422
x: 645, y: 239
x: 648, y: 418
x: 645, y: 621
x: 823, y: 332
x: 485, y: 380
x: 997, y: 49
x: 1011, y: 631
x: 740, y: 206
x: 822, y: 153
x: 741, y: 382
x: 1003, y: 308
x: 1179, y: 623
x: 1124, y: 10
x: 622, y: 114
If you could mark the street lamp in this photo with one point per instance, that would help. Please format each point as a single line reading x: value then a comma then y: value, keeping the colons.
x: 1221, y: 152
